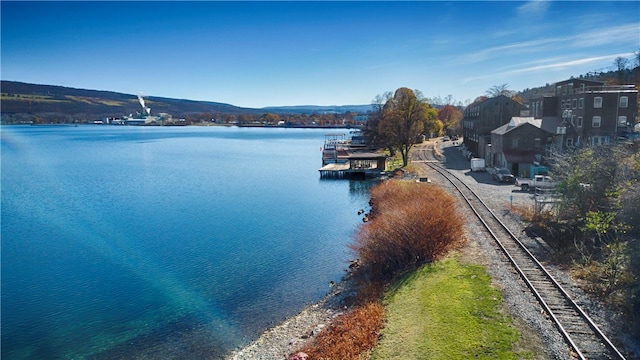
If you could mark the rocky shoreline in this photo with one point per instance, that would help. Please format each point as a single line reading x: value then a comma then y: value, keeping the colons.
x: 284, y: 339
x: 542, y: 338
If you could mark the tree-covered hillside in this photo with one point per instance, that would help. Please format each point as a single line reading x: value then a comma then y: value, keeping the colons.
x: 22, y: 102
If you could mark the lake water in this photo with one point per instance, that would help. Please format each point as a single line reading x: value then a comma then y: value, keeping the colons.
x: 164, y: 242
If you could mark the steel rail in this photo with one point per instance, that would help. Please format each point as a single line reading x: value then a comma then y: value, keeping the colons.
x: 602, y: 339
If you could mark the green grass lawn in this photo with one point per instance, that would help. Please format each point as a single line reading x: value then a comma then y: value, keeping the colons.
x: 446, y: 310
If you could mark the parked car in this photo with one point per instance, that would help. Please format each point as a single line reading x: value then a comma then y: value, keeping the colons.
x: 503, y: 175
x: 538, y: 182
x: 446, y: 138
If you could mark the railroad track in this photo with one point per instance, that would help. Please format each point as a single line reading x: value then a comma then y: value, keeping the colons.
x: 582, y: 335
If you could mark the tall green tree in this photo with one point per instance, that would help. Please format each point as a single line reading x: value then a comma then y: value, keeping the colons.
x: 403, y: 120
x: 450, y: 117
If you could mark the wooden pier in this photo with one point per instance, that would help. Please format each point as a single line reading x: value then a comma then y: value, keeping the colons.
x: 357, y: 165
x: 340, y: 159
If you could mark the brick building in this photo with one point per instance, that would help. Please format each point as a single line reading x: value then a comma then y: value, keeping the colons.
x: 588, y: 112
x: 481, y: 117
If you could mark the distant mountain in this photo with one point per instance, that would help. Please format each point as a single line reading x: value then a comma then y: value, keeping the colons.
x: 23, y: 102
x: 310, y: 109
x: 49, y: 101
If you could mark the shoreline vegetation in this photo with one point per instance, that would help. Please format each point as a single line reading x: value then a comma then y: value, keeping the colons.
x: 409, y: 261
x: 513, y: 327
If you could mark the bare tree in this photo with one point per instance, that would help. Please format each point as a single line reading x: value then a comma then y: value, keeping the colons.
x: 497, y: 90
x: 372, y: 131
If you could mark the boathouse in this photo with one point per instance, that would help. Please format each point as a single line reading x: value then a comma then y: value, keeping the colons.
x: 359, y: 165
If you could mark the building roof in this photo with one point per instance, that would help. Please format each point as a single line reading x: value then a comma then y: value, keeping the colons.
x: 551, y: 123
x: 517, y: 122
x: 366, y: 156
x: 578, y: 80
x: 519, y: 156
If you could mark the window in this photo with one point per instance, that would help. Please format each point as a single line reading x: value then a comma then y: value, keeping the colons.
x: 597, y: 102
x: 579, y: 123
x: 624, y: 101
x: 599, y: 140
x: 581, y: 103
x: 514, y: 143
x: 573, y: 120
x: 569, y: 141
x: 596, y: 122
x: 622, y: 121
x: 581, y: 88
x: 574, y: 103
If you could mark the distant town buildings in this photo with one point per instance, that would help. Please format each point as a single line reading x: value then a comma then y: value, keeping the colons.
x: 578, y: 113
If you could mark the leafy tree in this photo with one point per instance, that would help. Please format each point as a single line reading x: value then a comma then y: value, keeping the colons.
x: 403, y: 120
x: 517, y: 98
x: 432, y: 125
x: 450, y: 116
x: 590, y: 180
x: 597, y: 222
x: 270, y: 118
x: 598, y: 213
x: 480, y: 99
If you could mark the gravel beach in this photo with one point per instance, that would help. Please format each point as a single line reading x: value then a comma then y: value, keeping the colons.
x: 536, y: 328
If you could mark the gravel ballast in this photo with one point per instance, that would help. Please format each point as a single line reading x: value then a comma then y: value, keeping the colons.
x: 533, y: 323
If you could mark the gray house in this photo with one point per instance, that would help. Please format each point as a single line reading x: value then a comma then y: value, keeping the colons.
x: 519, y: 145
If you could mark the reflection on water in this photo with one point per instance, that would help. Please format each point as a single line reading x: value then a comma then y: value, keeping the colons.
x: 164, y: 242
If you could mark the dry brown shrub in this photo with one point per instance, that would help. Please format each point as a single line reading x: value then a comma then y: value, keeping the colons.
x: 413, y: 223
x: 436, y: 152
x: 349, y: 335
x: 526, y: 213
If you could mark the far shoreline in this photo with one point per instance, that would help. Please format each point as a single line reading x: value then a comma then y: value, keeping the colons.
x: 262, y: 126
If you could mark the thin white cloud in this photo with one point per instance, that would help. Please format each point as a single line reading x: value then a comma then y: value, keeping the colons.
x: 535, y: 8
x: 625, y: 34
x: 555, y: 65
x: 570, y: 63
x: 525, y: 46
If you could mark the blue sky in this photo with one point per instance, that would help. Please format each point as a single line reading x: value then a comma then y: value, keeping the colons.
x: 257, y: 54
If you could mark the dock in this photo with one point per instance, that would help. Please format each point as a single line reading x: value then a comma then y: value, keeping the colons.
x: 341, y: 159
x: 358, y: 165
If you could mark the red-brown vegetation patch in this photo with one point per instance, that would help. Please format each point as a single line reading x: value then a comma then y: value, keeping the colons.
x: 349, y: 335
x: 411, y: 223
